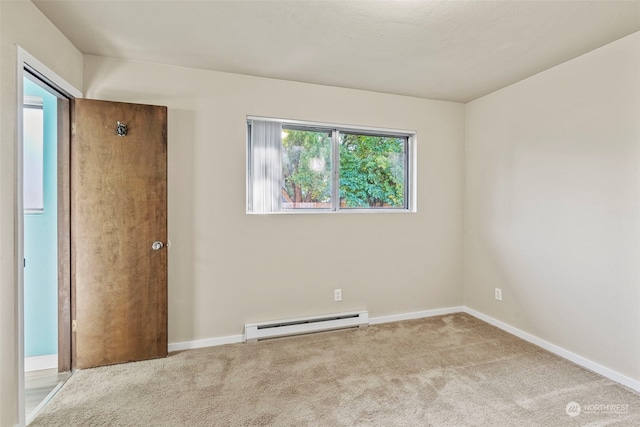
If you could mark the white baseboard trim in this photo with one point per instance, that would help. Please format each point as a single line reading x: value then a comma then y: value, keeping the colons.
x: 415, y: 315
x: 566, y: 354
x: 208, y: 342
x: 37, y: 363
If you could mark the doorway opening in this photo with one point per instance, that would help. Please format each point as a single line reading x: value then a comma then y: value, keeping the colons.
x: 40, y: 219
x: 44, y: 278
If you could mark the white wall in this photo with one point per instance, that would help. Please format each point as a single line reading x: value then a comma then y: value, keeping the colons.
x: 20, y: 24
x: 552, y: 205
x: 227, y: 268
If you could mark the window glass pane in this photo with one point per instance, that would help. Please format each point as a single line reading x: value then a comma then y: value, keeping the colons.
x: 33, y: 160
x: 372, y: 171
x: 306, y: 169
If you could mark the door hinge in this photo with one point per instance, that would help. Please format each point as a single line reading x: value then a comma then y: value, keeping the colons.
x: 74, y: 325
x: 73, y: 128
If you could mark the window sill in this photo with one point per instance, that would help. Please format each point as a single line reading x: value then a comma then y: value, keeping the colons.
x: 339, y: 212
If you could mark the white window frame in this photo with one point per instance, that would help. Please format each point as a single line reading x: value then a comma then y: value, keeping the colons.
x: 410, y: 165
x: 35, y: 203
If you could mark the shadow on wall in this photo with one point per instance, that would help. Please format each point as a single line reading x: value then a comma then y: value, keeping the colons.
x: 181, y: 217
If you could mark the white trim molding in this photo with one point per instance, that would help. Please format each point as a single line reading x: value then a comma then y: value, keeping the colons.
x: 565, y: 354
x: 415, y: 315
x: 25, y: 59
x: 208, y: 342
x: 38, y: 363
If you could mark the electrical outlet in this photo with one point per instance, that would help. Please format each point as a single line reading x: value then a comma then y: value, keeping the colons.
x: 337, y: 294
x: 499, y: 294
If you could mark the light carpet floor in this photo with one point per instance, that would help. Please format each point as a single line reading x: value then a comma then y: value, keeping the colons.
x: 452, y: 370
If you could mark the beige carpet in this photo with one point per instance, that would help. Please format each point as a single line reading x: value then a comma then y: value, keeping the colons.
x: 451, y: 370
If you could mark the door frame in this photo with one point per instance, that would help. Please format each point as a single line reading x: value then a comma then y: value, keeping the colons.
x: 27, y: 61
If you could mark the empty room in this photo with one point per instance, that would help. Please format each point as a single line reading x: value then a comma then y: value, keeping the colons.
x: 319, y: 213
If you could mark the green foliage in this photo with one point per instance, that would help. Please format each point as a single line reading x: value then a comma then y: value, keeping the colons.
x: 371, y: 171
x: 306, y: 166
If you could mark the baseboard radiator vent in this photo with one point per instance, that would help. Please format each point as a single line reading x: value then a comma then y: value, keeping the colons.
x: 304, y: 325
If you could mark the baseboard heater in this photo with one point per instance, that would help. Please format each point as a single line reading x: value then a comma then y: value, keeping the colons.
x: 304, y: 325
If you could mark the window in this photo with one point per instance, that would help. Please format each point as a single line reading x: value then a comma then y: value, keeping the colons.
x: 33, y: 155
x: 301, y: 166
x: 306, y: 169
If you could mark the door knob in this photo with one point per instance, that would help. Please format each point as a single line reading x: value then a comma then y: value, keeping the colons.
x: 156, y: 246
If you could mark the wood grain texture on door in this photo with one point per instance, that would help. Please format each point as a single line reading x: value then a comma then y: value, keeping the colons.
x: 118, y: 209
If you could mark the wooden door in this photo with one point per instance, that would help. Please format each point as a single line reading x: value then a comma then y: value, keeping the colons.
x: 118, y: 210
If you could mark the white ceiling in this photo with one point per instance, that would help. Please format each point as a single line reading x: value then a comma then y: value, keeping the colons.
x: 449, y: 50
